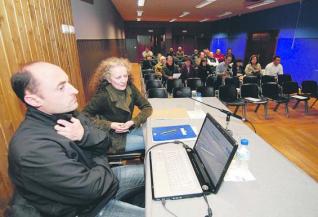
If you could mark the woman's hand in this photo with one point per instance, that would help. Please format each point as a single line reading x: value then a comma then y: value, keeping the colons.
x: 129, y: 124
x: 119, y: 127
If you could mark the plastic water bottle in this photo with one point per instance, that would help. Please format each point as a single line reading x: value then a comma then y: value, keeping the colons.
x: 243, y: 154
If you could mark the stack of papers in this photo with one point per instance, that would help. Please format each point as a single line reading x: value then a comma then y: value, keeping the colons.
x: 299, y: 97
x: 253, y: 99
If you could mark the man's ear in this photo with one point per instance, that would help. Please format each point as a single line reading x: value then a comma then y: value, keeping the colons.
x: 32, y: 99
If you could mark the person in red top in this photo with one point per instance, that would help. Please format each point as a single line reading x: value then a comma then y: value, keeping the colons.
x: 218, y: 55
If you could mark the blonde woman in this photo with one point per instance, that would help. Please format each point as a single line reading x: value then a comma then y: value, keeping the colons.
x: 112, y: 105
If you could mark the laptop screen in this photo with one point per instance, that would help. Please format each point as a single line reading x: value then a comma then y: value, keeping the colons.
x: 215, y: 147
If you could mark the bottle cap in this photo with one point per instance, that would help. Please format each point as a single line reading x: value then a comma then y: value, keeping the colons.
x: 244, y: 142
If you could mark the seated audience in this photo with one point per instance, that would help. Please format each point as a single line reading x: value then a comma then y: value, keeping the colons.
x: 170, y: 69
x: 218, y: 55
x: 159, y: 66
x: 112, y: 105
x: 229, y: 52
x: 274, y: 68
x: 147, y: 52
x: 57, y: 159
x: 147, y: 63
x: 238, y: 69
x: 224, y: 69
x: 253, y: 67
x: 180, y: 54
x: 187, y: 70
x: 205, y: 70
x: 171, y: 52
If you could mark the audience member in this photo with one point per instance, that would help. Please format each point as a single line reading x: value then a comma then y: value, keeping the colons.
x: 224, y: 69
x: 112, y: 105
x: 180, y: 54
x: 147, y: 63
x: 205, y: 70
x: 170, y: 52
x: 253, y: 67
x: 238, y: 68
x: 159, y: 66
x: 229, y: 52
x: 57, y: 159
x: 274, y: 68
x: 170, y: 69
x: 147, y: 52
x: 195, y: 54
x: 187, y: 70
x: 218, y: 55
x: 213, y: 62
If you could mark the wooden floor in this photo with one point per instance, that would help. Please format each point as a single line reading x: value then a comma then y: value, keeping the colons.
x: 296, y: 137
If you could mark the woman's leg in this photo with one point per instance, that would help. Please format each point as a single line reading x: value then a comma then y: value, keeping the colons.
x: 135, y: 140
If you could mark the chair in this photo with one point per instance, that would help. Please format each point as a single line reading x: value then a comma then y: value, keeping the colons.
x: 250, y: 93
x: 119, y: 159
x: 281, y: 79
x: 194, y: 83
x: 157, y: 93
x: 149, y: 76
x: 209, y: 82
x: 235, y: 81
x: 153, y: 84
x: 250, y: 79
x: 147, y: 71
x: 271, y: 91
x: 182, y: 92
x: 290, y: 88
x: 267, y: 78
x: 174, y: 83
x: 228, y: 95
x: 206, y: 91
x: 310, y: 89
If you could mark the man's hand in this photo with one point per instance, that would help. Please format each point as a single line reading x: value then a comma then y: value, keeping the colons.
x: 72, y: 130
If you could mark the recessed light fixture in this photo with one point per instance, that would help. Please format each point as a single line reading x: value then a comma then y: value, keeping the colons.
x: 150, y: 30
x: 226, y: 13
x: 184, y: 13
x: 184, y: 31
x: 141, y: 3
x: 138, y: 19
x: 206, y: 19
x: 266, y: 2
x: 139, y: 13
x: 204, y: 3
x: 172, y: 20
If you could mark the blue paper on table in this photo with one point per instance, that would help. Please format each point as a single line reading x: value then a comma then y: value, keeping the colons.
x: 177, y: 132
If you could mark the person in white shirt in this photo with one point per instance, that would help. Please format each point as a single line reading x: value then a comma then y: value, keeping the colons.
x: 274, y: 68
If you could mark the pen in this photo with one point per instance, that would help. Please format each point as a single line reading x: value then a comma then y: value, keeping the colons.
x: 168, y: 131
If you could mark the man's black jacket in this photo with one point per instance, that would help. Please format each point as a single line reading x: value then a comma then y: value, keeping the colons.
x: 57, y: 176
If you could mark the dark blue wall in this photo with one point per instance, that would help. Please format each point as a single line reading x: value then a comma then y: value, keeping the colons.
x: 298, y: 47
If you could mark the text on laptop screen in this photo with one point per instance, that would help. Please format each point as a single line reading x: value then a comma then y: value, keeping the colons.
x: 214, y: 149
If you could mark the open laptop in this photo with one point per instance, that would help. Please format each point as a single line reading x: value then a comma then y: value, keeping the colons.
x: 178, y: 171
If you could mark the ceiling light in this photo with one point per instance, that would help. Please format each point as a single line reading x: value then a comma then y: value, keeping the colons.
x: 172, y: 20
x: 184, y: 31
x: 204, y: 3
x: 266, y: 2
x: 206, y: 19
x: 138, y: 19
x: 139, y: 13
x: 150, y: 30
x: 184, y: 13
x: 141, y: 3
x: 226, y: 13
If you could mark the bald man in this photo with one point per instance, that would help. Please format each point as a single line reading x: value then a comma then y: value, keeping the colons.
x: 57, y: 158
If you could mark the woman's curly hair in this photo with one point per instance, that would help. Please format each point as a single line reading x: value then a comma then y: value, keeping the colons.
x: 102, y: 73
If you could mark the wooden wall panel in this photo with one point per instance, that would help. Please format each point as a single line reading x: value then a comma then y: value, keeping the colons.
x: 30, y: 30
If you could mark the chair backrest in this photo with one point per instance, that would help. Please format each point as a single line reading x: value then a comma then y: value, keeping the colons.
x: 281, y: 79
x: 218, y: 82
x: 153, y: 84
x: 227, y: 93
x: 174, y: 83
x: 157, y: 93
x: 249, y: 90
x: 235, y: 81
x: 309, y: 86
x: 250, y: 79
x: 194, y: 83
x: 147, y: 71
x: 209, y: 82
x: 182, y: 92
x: 290, y: 87
x: 206, y: 91
x: 149, y: 76
x: 267, y: 78
x: 270, y: 90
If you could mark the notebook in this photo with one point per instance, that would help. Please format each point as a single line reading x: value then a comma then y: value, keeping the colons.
x: 171, y: 133
x: 178, y: 171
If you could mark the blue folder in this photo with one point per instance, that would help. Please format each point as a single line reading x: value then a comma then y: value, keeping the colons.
x: 178, y: 132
